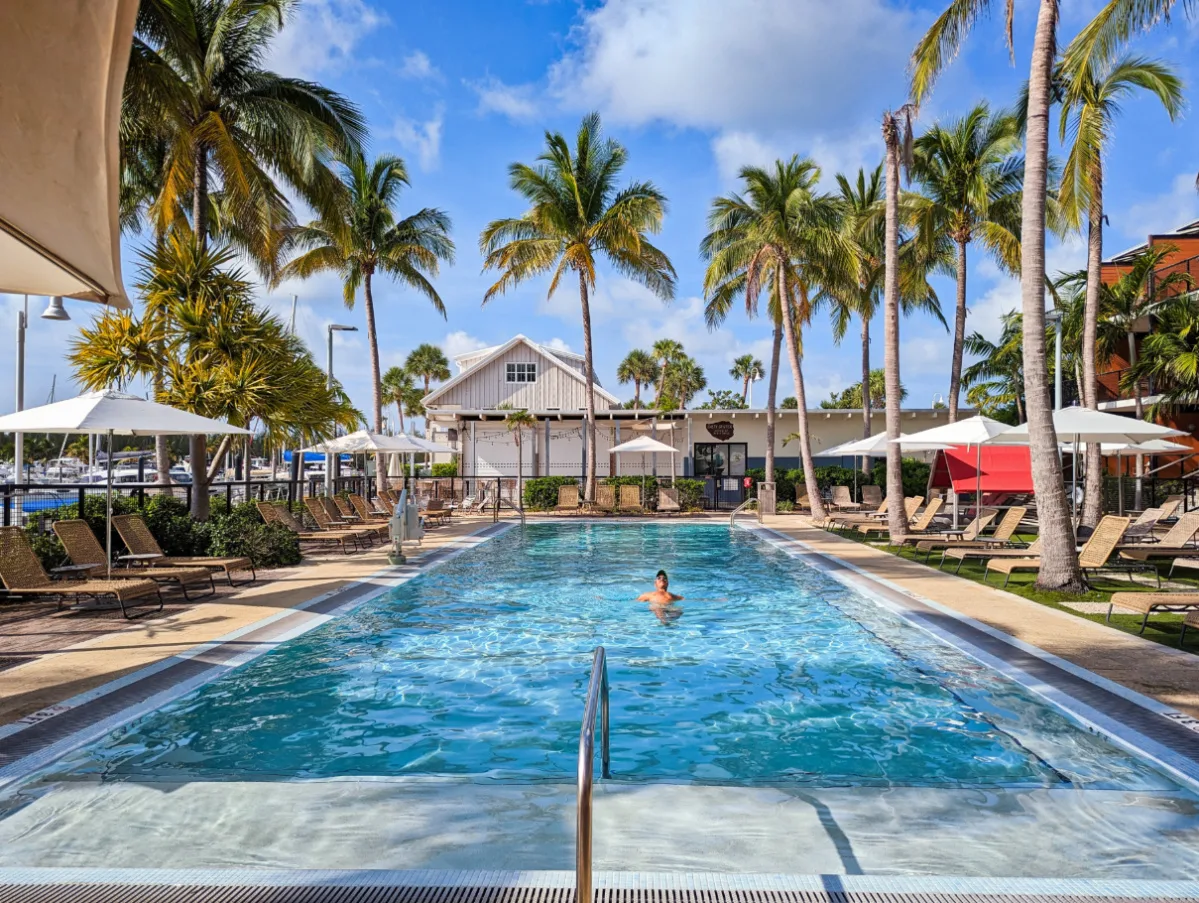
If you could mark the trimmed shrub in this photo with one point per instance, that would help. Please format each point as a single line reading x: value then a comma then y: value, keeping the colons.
x: 784, y: 507
x: 241, y: 532
x: 691, y: 493
x: 444, y: 469
x: 541, y: 493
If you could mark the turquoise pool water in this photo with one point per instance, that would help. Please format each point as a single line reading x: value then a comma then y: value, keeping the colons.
x: 769, y: 672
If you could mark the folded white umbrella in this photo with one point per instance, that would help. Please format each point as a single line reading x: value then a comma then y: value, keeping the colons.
x: 645, y: 445
x: 1078, y: 425
x: 114, y: 414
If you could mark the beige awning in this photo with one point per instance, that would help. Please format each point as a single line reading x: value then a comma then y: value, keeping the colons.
x: 62, y: 70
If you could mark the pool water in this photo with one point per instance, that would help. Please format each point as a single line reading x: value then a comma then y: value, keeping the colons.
x: 768, y: 672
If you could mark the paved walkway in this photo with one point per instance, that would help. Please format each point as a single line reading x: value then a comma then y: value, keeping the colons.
x: 114, y: 648
x: 1166, y: 674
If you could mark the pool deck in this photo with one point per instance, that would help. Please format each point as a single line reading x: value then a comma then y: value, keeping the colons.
x: 1162, y: 673
x: 66, y: 672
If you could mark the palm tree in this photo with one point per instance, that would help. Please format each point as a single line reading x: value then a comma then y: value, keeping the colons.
x: 748, y: 369
x: 997, y: 380
x: 640, y: 369
x: 665, y: 353
x: 517, y: 420
x: 1059, y: 561
x: 1091, y: 100
x: 576, y: 213
x: 970, y: 171
x: 1169, y: 356
x: 778, y: 236
x: 198, y: 111
x: 360, y: 236
x: 429, y: 363
x: 684, y: 380
x: 399, y: 385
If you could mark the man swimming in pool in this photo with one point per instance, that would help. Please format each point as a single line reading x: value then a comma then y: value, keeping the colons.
x: 661, y: 594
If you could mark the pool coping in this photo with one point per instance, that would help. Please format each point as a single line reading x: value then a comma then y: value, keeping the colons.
x: 1145, y: 726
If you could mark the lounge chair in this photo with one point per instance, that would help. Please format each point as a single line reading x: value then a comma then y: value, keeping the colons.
x: 1001, y: 538
x: 841, y: 521
x: 1094, y: 556
x: 347, y: 511
x: 668, y: 501
x: 84, y: 549
x: 605, y: 497
x: 278, y: 514
x: 437, y: 511
x: 142, y: 545
x: 325, y: 522
x: 1141, y: 529
x: 568, y: 498
x: 350, y: 522
x: 872, y: 496
x: 364, y: 511
x: 842, y: 500
x: 916, y: 524
x: 22, y: 573
x: 1170, y: 506
x: 1173, y: 543
x: 630, y: 498
x: 1191, y: 620
x: 928, y: 541
x: 802, y: 502
x: 1148, y: 603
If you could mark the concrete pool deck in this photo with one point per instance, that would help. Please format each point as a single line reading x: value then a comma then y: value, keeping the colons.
x: 1167, y: 675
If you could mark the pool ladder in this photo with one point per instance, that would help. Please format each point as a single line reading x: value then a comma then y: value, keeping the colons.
x: 597, y: 702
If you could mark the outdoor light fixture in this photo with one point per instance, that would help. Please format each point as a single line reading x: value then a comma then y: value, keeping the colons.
x: 55, y: 310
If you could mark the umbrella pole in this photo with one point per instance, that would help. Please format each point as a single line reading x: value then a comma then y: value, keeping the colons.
x: 978, y: 477
x: 108, y: 518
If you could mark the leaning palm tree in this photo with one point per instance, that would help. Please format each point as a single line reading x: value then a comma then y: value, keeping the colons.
x: 1091, y: 100
x: 361, y: 236
x: 640, y: 369
x: 666, y: 352
x: 575, y: 215
x: 970, y: 172
x: 748, y: 369
x: 517, y: 420
x: 1059, y: 569
x: 429, y: 363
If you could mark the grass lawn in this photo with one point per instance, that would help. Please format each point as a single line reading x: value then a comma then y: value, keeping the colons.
x: 1163, y: 627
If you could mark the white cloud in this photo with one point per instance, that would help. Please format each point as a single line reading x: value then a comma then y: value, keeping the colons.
x: 557, y: 344
x: 1166, y: 211
x: 771, y: 64
x: 986, y: 310
x: 736, y: 149
x: 421, y: 138
x: 417, y: 65
x: 460, y: 342
x: 514, y: 101
x: 323, y: 36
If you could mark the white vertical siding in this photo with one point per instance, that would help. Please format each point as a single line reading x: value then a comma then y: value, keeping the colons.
x: 486, y: 386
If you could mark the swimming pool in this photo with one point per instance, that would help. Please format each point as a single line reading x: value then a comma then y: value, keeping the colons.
x: 770, y: 677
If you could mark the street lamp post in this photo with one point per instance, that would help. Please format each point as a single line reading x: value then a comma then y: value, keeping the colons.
x: 333, y: 327
x: 54, y: 311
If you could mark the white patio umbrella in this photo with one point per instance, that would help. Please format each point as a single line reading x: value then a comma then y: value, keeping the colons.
x: 645, y: 445
x: 113, y: 413
x: 876, y: 447
x: 365, y: 441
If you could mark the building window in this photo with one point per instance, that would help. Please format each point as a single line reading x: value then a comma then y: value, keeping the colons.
x: 522, y: 373
x: 714, y: 459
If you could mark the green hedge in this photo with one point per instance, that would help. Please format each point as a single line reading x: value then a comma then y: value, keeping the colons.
x: 915, y: 478
x: 691, y: 492
x: 444, y: 469
x: 541, y: 493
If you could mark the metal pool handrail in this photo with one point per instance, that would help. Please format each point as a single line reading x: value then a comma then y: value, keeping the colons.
x: 739, y: 508
x: 597, y: 699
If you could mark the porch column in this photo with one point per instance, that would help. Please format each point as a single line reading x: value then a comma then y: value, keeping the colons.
x: 617, y: 457
x: 547, y: 446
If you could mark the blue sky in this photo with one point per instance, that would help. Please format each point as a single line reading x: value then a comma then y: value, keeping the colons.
x: 694, y: 89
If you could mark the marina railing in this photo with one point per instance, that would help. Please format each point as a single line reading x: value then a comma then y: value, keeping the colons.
x: 597, y: 702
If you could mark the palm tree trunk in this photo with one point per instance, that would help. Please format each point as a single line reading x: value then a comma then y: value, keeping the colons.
x: 198, y: 445
x: 959, y: 335
x: 897, y: 522
x: 805, y: 445
x: 866, y: 399
x: 636, y: 395
x: 744, y: 389
x: 1059, y: 561
x: 400, y: 413
x: 589, y: 477
x: 1139, y: 487
x: 771, y: 396
x: 1092, y: 508
x: 372, y: 339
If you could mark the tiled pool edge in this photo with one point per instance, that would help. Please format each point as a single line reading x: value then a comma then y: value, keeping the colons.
x: 907, y: 604
x: 604, y: 880
x: 355, y: 594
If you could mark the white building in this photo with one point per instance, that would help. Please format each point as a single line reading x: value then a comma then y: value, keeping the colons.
x: 465, y: 414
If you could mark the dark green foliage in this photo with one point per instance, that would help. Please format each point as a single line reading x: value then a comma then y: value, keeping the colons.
x: 691, y: 493
x: 444, y: 469
x: 915, y: 478
x: 541, y: 493
x: 723, y: 400
x: 241, y: 532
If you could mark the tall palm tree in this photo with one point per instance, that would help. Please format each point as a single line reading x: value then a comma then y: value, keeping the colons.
x: 666, y: 352
x: 684, y: 380
x: 779, y: 235
x: 576, y: 214
x: 1059, y: 560
x: 429, y: 363
x: 400, y: 387
x: 748, y: 369
x: 360, y: 236
x: 1090, y: 103
x: 517, y: 420
x: 996, y: 381
x: 640, y: 369
x: 970, y: 172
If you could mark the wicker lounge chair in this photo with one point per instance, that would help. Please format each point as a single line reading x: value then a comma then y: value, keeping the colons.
x: 83, y: 548
x: 142, y: 544
x: 1148, y: 603
x: 916, y: 524
x: 1173, y: 543
x: 630, y: 498
x: 605, y: 497
x: 437, y: 512
x: 364, y: 511
x: 842, y: 521
x: 1191, y: 620
x: 1141, y: 529
x: 872, y: 496
x: 22, y: 573
x: 350, y: 522
x: 320, y: 514
x: 842, y: 500
x: 802, y: 502
x: 1094, y: 556
x: 346, y: 510
x: 1002, y: 537
x: 278, y: 514
x: 927, y: 541
x: 668, y: 501
x: 568, y: 498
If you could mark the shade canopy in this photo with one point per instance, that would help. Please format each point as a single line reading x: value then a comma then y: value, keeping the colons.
x: 116, y: 413
x: 62, y: 65
x: 432, y: 447
x: 972, y: 431
x: 642, y: 444
x: 1076, y: 424
x: 876, y: 447
x: 984, y: 468
x: 365, y: 441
